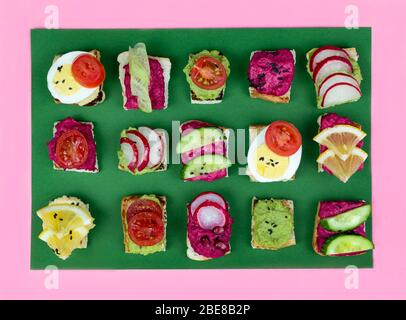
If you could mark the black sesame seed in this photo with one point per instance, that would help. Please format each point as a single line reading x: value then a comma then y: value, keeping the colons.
x: 261, y: 159
x: 56, y: 82
x: 70, y: 232
x: 63, y: 81
x: 55, y: 215
x: 270, y: 231
x: 60, y: 219
x: 272, y: 165
x: 70, y: 88
x: 70, y: 238
x: 60, y: 68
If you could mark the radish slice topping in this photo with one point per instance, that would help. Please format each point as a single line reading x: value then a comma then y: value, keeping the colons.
x: 336, y: 78
x: 129, y: 149
x: 325, y: 52
x: 207, y: 196
x: 329, y: 66
x: 142, y: 148
x: 210, y: 215
x: 156, y: 149
x: 340, y: 93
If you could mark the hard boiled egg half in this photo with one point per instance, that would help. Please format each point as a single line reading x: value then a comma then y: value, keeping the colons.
x: 275, y: 153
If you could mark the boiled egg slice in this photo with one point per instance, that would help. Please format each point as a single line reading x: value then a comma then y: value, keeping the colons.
x: 63, y: 85
x: 267, y: 166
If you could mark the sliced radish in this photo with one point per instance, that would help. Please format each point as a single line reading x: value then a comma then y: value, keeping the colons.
x: 329, y: 66
x: 210, y: 215
x: 208, y: 196
x: 336, y: 78
x: 156, y: 148
x: 325, y: 52
x: 142, y: 148
x: 130, y: 152
x: 340, y: 93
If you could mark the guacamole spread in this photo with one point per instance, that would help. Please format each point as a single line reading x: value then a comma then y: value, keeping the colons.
x: 272, y: 224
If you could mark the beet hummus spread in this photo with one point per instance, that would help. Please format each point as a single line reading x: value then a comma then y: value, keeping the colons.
x: 213, y: 243
x: 85, y: 129
x: 331, y: 120
x: 156, y: 86
x: 272, y: 72
x: 329, y: 209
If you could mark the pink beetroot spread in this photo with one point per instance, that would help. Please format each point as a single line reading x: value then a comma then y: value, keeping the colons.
x: 272, y: 72
x: 156, y: 86
x: 209, y: 243
x: 214, y: 148
x: 84, y: 128
x: 329, y: 209
x: 330, y: 120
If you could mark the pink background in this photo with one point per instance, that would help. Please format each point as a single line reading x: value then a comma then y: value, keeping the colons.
x: 386, y: 280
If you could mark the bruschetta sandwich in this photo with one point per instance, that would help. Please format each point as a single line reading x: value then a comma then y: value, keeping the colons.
x: 143, y: 150
x: 272, y: 224
x: 204, y: 151
x: 73, y: 146
x: 144, y: 224
x: 275, y: 152
x: 144, y: 79
x: 339, y: 228
x: 66, y: 222
x: 270, y: 74
x: 208, y: 227
x: 207, y: 73
x: 336, y: 75
x: 77, y: 78
x: 341, y: 142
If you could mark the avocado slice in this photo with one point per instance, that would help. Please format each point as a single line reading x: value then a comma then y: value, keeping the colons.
x: 204, y: 165
x: 198, y: 138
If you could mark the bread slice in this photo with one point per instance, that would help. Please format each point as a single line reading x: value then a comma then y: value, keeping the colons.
x: 316, y: 223
x: 253, y: 133
x: 291, y: 242
x: 55, y: 165
x: 125, y: 204
x: 269, y: 97
x: 96, y: 98
x: 164, y: 164
x: 166, y: 67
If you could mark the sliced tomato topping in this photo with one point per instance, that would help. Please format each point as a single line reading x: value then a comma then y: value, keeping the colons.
x: 283, y: 138
x: 146, y: 228
x: 208, y: 73
x: 143, y: 205
x: 88, y: 71
x: 72, y: 149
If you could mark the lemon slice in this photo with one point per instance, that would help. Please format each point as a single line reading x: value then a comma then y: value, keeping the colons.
x: 341, y: 139
x: 64, y: 245
x: 343, y: 170
x: 61, y: 218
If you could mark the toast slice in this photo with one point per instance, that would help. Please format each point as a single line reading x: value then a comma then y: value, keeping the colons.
x: 254, y: 130
x: 129, y: 245
x: 96, y: 98
x: 269, y: 97
x: 288, y: 204
x: 56, y: 167
x: 166, y: 67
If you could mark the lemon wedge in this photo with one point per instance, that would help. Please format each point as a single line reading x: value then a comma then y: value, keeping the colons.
x: 343, y: 170
x: 340, y: 139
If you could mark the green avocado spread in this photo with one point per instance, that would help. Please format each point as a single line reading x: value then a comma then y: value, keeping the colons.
x: 272, y: 223
x: 144, y: 250
x: 199, y: 92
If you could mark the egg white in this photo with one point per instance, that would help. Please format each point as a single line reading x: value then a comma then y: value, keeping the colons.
x: 294, y: 160
x: 77, y: 97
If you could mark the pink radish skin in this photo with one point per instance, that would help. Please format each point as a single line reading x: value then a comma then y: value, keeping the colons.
x: 208, y: 196
x: 325, y: 52
x: 129, y: 149
x: 343, y: 86
x: 336, y: 78
x: 156, y: 150
x: 210, y: 215
x: 142, y: 148
x: 329, y: 66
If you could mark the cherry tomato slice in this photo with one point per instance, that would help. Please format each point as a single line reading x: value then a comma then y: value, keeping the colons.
x: 146, y: 228
x: 143, y: 205
x: 208, y: 73
x: 72, y: 149
x: 283, y: 138
x: 88, y: 71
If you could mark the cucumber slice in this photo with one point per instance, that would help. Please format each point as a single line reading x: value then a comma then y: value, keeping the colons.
x: 203, y: 165
x: 346, y: 243
x: 348, y: 220
x: 198, y: 138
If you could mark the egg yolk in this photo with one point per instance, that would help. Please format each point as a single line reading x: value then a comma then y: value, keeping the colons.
x: 268, y: 164
x: 64, y: 81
